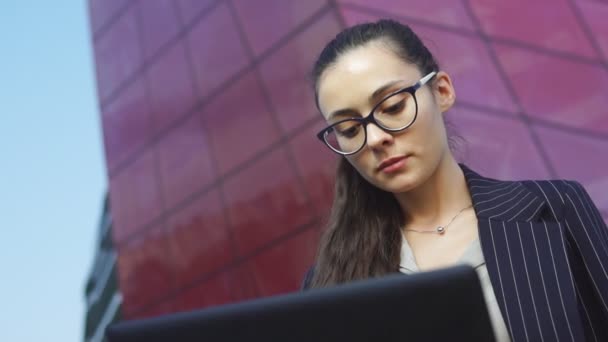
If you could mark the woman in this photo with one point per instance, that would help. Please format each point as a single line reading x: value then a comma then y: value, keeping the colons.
x: 403, y: 203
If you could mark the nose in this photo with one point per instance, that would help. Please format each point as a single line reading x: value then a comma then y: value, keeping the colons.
x: 376, y: 137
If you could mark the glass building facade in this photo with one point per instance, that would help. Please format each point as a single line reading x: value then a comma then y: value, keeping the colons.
x: 219, y: 188
x: 102, y: 296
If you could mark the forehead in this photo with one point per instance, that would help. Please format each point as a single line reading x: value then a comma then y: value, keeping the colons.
x: 356, y: 74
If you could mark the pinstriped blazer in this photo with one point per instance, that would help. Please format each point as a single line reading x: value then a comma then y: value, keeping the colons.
x: 546, y: 250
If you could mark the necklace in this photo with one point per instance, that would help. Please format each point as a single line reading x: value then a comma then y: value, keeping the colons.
x: 441, y: 229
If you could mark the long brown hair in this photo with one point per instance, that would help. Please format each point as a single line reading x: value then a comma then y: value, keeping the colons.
x: 363, y: 236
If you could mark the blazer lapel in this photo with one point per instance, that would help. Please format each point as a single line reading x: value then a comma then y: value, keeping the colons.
x: 526, y: 260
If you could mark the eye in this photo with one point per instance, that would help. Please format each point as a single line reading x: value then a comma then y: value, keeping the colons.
x: 394, y: 108
x: 349, y: 132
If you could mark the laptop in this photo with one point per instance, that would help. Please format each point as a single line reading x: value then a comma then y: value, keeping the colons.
x: 442, y: 305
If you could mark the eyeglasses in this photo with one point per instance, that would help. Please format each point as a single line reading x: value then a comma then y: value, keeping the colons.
x: 395, y: 112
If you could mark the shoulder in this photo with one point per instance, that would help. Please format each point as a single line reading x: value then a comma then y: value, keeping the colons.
x: 555, y: 189
x: 565, y: 197
x: 557, y: 193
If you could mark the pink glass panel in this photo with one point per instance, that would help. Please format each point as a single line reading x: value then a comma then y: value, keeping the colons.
x: 442, y: 12
x: 144, y: 273
x: 232, y: 285
x: 549, y: 24
x: 239, y: 123
x: 316, y: 165
x: 296, y: 255
x: 117, y: 54
x: 216, y: 59
x: 126, y: 125
x: 556, y: 89
x: 200, y: 239
x: 135, y: 196
x: 286, y: 15
x: 170, y: 86
x: 507, y: 141
x: 190, y: 10
x: 594, y: 14
x: 265, y: 201
x: 159, y: 25
x: 185, y: 161
x: 286, y: 73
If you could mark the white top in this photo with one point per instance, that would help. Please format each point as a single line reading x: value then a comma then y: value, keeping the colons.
x: 473, y: 256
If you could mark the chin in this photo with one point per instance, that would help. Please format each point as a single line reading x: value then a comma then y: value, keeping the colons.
x: 398, y: 183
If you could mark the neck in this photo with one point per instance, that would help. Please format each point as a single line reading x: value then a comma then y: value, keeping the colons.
x: 438, y: 199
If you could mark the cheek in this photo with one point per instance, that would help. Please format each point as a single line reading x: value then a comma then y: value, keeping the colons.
x: 427, y: 131
x: 363, y: 162
x: 358, y: 161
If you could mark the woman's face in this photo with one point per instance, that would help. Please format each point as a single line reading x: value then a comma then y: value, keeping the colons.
x: 395, y: 162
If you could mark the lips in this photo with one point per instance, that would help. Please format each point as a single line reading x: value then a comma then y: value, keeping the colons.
x: 386, y: 163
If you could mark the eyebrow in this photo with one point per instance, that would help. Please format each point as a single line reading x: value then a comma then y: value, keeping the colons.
x: 372, y: 98
x: 381, y: 90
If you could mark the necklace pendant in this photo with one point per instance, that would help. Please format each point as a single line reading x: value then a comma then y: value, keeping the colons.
x: 440, y: 230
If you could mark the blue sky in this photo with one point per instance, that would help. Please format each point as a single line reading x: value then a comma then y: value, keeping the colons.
x: 52, y: 171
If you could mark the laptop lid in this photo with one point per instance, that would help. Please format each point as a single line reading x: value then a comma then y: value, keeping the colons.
x: 442, y: 305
